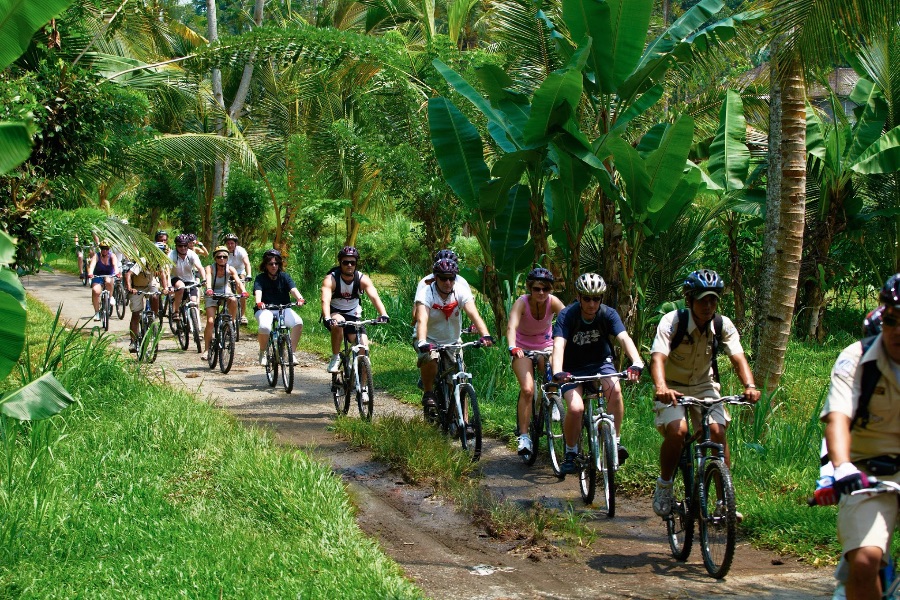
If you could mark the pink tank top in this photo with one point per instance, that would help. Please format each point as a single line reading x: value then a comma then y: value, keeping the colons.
x: 531, y: 333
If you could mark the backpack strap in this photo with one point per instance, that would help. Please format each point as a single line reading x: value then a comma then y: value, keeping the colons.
x: 870, y: 377
x: 681, y: 330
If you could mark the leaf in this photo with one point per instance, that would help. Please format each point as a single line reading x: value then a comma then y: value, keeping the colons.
x: 458, y: 149
x: 15, y: 145
x: 591, y: 19
x: 630, y: 22
x: 729, y: 160
x: 881, y: 157
x: 638, y: 107
x: 12, y: 331
x: 471, y: 94
x: 19, y: 20
x: 510, y: 243
x: 10, y: 284
x: 870, y: 124
x: 504, y: 175
x: 7, y: 248
x: 665, y: 165
x: 815, y: 134
x: 631, y: 168
x: 559, y: 90
x: 680, y: 199
x: 40, y: 399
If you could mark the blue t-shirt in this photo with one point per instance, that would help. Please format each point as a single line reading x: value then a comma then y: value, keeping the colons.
x: 274, y: 291
x: 587, y: 344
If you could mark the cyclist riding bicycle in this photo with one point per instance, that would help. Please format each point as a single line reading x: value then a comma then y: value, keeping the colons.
x: 683, y: 363
x: 138, y: 278
x: 438, y: 321
x: 581, y: 347
x: 862, y: 433
x: 161, y: 236
x: 530, y: 329
x: 462, y: 286
x: 79, y: 251
x: 240, y: 260
x: 274, y: 286
x: 341, y: 301
x: 102, y: 268
x: 184, y: 263
x: 196, y: 245
x: 219, y: 276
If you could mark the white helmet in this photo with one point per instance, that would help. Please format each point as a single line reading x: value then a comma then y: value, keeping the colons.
x: 590, y: 284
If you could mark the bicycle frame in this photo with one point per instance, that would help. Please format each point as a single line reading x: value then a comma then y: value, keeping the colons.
x: 452, y: 373
x: 596, y: 401
x: 352, y: 352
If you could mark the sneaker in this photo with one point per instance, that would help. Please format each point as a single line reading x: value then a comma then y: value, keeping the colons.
x: 334, y: 364
x: 569, y: 467
x: 97, y: 316
x: 204, y: 356
x: 554, y: 413
x: 428, y: 399
x: 738, y: 517
x: 243, y: 320
x: 525, y: 446
x: 470, y: 431
x: 112, y: 301
x: 176, y: 316
x: 623, y: 454
x: 132, y: 347
x: 262, y: 359
x: 662, y: 499
x: 295, y: 361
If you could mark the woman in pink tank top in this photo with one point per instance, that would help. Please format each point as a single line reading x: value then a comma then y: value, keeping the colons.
x: 530, y: 329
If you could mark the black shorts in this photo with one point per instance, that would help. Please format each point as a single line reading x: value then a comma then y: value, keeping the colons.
x: 194, y: 291
x: 347, y: 317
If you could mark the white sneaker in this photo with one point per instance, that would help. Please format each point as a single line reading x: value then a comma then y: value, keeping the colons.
x: 525, y: 447
x: 295, y: 361
x: 554, y: 414
x: 662, y: 498
x: 334, y: 364
x: 112, y: 301
x: 243, y: 320
x: 97, y: 316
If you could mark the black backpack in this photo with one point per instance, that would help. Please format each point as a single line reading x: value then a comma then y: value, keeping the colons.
x: 681, y: 331
x: 870, y: 377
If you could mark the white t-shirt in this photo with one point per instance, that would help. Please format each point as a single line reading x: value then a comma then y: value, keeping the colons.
x: 461, y: 286
x: 236, y: 260
x: 183, y: 268
x: 444, y: 315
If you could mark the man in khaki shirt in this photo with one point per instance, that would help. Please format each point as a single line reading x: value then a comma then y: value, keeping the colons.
x: 866, y: 523
x: 687, y: 371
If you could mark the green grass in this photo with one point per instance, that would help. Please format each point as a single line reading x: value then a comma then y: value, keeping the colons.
x: 142, y: 491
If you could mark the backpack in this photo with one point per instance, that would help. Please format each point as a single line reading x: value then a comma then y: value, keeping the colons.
x: 681, y: 331
x: 870, y: 377
x: 336, y: 273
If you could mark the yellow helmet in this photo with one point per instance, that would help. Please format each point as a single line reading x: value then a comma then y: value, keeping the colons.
x: 220, y: 249
x: 105, y: 244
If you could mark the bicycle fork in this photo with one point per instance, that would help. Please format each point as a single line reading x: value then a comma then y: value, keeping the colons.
x: 459, y: 380
x: 358, y: 350
x: 598, y: 419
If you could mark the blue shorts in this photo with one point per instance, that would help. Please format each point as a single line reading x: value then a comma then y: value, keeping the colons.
x: 605, y: 368
x: 100, y: 279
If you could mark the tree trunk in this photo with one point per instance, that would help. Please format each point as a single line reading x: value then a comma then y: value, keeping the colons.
x: 495, y: 299
x: 819, y: 239
x: 736, y: 274
x: 776, y: 323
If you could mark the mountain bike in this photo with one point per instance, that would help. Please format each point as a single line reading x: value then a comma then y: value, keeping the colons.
x: 597, y: 450
x: 221, y: 347
x: 543, y: 403
x: 189, y: 325
x: 456, y: 406
x: 86, y: 251
x: 105, y: 307
x: 120, y: 296
x: 703, y: 491
x: 279, y: 354
x: 240, y: 310
x: 355, y: 374
x: 147, y: 341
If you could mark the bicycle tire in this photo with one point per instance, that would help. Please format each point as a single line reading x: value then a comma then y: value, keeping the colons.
x: 149, y: 342
x: 237, y: 322
x: 606, y: 466
x: 173, y: 324
x: 471, y: 445
x: 271, y: 363
x: 680, y: 523
x: 365, y: 395
x: 286, y: 357
x: 718, y: 522
x: 84, y: 277
x: 534, y: 425
x: 195, y: 328
x: 226, y: 354
x: 121, y: 300
x: 556, y: 443
x: 105, y: 310
x: 212, y: 353
x: 587, y: 453
x: 183, y: 333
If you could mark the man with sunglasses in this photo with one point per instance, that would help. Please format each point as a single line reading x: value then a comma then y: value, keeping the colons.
x: 687, y: 367
x: 340, y: 301
x: 864, y: 441
x: 240, y: 260
x: 185, y: 263
x: 274, y: 286
x: 581, y: 347
x: 438, y: 321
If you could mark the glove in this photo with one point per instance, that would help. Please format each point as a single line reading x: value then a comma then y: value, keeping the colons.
x: 329, y: 323
x: 515, y: 352
x: 209, y: 292
x: 383, y: 319
x: 260, y: 305
x: 561, y: 377
x: 301, y: 301
x: 485, y: 340
x: 244, y: 294
x: 637, y: 369
x: 424, y: 347
x: 848, y: 479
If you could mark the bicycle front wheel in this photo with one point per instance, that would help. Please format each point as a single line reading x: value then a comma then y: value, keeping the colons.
x: 271, y: 363
x: 174, y: 325
x: 606, y: 466
x: 286, y: 357
x: 237, y: 323
x: 104, y: 310
x: 587, y: 452
x: 183, y: 330
x: 226, y: 354
x: 535, y: 424
x: 680, y: 522
x: 718, y: 522
x: 365, y: 393
x: 195, y: 328
x: 119, y: 295
x: 470, y: 436
x: 150, y: 343
x: 553, y: 425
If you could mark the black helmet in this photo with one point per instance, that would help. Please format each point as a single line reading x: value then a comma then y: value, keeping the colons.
x: 161, y: 232
x: 703, y: 282
x: 182, y: 239
x: 445, y: 266
x: 890, y: 293
x: 447, y: 253
x: 540, y: 274
x: 348, y: 251
x: 872, y: 322
x: 271, y: 252
x: 192, y: 237
x: 231, y: 236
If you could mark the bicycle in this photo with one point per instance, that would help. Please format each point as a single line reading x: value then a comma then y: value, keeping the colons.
x: 221, y: 347
x: 240, y: 310
x: 147, y: 341
x: 279, y: 352
x: 543, y: 403
x: 105, y: 307
x: 597, y: 450
x: 450, y: 410
x: 86, y: 251
x: 708, y: 498
x: 120, y: 296
x: 189, y: 325
x: 355, y: 374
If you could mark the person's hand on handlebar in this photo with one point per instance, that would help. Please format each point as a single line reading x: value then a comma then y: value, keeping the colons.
x: 516, y: 352
x: 424, y: 347
x: 209, y: 292
x: 301, y: 301
x: 486, y: 341
x: 561, y: 377
x: 751, y: 394
x: 847, y: 479
x: 634, y: 371
x: 260, y: 305
x: 667, y: 396
x: 382, y: 319
x: 244, y: 295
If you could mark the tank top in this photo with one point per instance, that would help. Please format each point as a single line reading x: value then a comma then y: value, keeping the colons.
x: 219, y: 285
x: 533, y: 334
x: 345, y: 298
x: 102, y: 268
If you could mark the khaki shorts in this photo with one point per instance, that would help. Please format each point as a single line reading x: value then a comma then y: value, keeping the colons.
x: 137, y: 300
x: 867, y: 520
x: 667, y: 413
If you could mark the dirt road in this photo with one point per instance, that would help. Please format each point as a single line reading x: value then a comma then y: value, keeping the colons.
x: 437, y: 547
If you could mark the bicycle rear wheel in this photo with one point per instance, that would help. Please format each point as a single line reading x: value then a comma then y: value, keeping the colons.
x: 286, y: 356
x: 680, y: 523
x: 173, y: 324
x: 195, y: 328
x: 606, y: 465
x: 271, y: 363
x: 104, y: 310
x: 534, y: 425
x: 119, y: 295
x: 183, y: 332
x: 587, y: 453
x: 340, y: 395
x: 237, y: 322
x: 556, y: 443
x: 365, y: 395
x: 718, y: 522
x: 470, y: 440
x: 226, y: 354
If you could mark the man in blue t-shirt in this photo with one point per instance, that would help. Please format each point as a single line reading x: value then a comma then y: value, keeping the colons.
x: 581, y: 347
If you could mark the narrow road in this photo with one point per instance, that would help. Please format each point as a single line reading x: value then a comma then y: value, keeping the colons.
x: 438, y: 548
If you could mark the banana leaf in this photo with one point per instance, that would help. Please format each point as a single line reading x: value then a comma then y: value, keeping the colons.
x: 40, y: 399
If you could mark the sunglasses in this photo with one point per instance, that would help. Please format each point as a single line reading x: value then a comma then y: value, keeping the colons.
x: 539, y: 289
x: 222, y: 257
x: 591, y: 298
x: 273, y: 264
x: 447, y: 277
x: 348, y: 263
x: 104, y: 247
x: 181, y: 245
x: 890, y: 321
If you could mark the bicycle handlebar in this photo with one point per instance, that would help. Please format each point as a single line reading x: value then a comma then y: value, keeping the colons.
x: 279, y: 306
x: 597, y: 377
x: 357, y: 324
x: 736, y: 400
x: 476, y: 344
x: 536, y: 353
x: 222, y: 296
x: 143, y: 293
x: 826, y: 496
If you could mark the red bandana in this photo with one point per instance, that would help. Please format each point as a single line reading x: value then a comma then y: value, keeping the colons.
x: 447, y: 309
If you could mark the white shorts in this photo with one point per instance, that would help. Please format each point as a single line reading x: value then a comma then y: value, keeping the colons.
x: 265, y: 318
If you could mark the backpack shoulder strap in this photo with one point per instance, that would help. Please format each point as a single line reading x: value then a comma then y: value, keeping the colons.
x: 870, y: 377
x: 680, y: 328
x: 357, y: 278
x: 716, y: 342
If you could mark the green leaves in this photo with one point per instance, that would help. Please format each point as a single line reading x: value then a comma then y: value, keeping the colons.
x: 881, y: 157
x: 554, y: 103
x: 15, y: 145
x: 40, y: 399
x: 458, y: 149
x: 729, y: 160
x: 19, y: 19
x: 12, y: 309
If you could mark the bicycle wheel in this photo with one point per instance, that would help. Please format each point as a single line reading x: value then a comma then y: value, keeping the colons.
x: 226, y: 354
x: 534, y: 425
x: 606, y: 466
x: 680, y: 523
x: 365, y: 395
x: 183, y: 333
x: 174, y: 325
x: 718, y: 523
x: 150, y: 343
x: 556, y: 443
x: 587, y: 452
x: 340, y: 395
x: 119, y: 295
x: 271, y: 363
x: 470, y: 440
x: 212, y: 353
x: 286, y: 357
x: 104, y: 310
x: 237, y: 322
x: 195, y: 328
